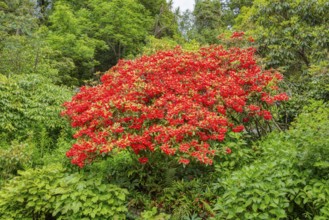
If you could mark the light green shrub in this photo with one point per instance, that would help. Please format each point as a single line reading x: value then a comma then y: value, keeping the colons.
x: 49, y: 191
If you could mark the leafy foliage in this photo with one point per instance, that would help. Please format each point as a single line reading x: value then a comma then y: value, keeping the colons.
x: 288, y: 180
x: 30, y: 103
x: 18, y: 156
x: 291, y: 34
x: 49, y: 191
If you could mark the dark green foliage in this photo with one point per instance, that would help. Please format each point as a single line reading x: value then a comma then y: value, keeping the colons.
x: 292, y: 34
x: 184, y: 198
x: 164, y: 19
x: 293, y: 37
x: 208, y: 20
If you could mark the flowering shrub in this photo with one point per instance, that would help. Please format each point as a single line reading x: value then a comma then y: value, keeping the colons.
x: 174, y: 102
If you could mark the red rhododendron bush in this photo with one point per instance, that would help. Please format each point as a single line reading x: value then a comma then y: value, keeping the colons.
x: 173, y: 102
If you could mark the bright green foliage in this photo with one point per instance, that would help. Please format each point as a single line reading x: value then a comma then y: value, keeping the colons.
x: 68, y: 36
x: 95, y: 34
x: 310, y: 133
x: 240, y: 153
x: 153, y: 215
x: 49, y: 191
x: 44, y: 43
x: 315, y: 195
x: 18, y: 156
x: 259, y: 191
x: 29, y: 103
x: 154, y: 45
x: 122, y: 24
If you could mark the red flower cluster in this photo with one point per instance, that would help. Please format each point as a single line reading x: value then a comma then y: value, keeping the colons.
x: 174, y: 102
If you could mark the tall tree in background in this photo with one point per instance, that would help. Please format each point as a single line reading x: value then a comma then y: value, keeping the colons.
x: 69, y: 34
x: 208, y: 20
x: 164, y: 19
x: 123, y: 25
x: 22, y: 47
x: 232, y: 8
x: 292, y: 34
x: 94, y: 34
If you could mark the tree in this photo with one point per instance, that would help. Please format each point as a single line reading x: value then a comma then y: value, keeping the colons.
x: 23, y: 49
x: 164, y: 19
x: 292, y: 35
x: 208, y: 20
x: 17, y: 17
x: 123, y: 25
x: 69, y: 36
x: 95, y: 34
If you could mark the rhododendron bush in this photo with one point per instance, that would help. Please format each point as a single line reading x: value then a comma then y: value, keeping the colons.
x: 173, y: 102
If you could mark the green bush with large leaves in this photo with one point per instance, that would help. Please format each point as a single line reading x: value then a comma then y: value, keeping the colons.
x: 289, y: 178
x: 52, y: 191
x: 29, y: 104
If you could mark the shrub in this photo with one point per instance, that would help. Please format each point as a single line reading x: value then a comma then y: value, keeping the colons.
x: 288, y: 180
x: 310, y: 133
x: 174, y: 102
x: 42, y: 193
x: 16, y: 157
x: 30, y: 106
x: 263, y: 190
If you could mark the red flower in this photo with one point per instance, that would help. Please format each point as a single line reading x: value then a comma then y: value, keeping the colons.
x: 184, y: 161
x: 237, y: 35
x: 143, y: 160
x: 251, y: 39
x: 238, y: 128
x: 228, y: 150
x: 266, y: 115
x: 245, y: 120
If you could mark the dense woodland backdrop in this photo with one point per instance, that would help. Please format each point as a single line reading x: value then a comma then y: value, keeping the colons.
x: 273, y: 170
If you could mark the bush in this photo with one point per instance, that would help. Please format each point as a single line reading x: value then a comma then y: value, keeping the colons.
x: 49, y: 191
x: 30, y: 105
x: 289, y: 180
x: 16, y: 157
x: 173, y: 102
x: 263, y: 190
